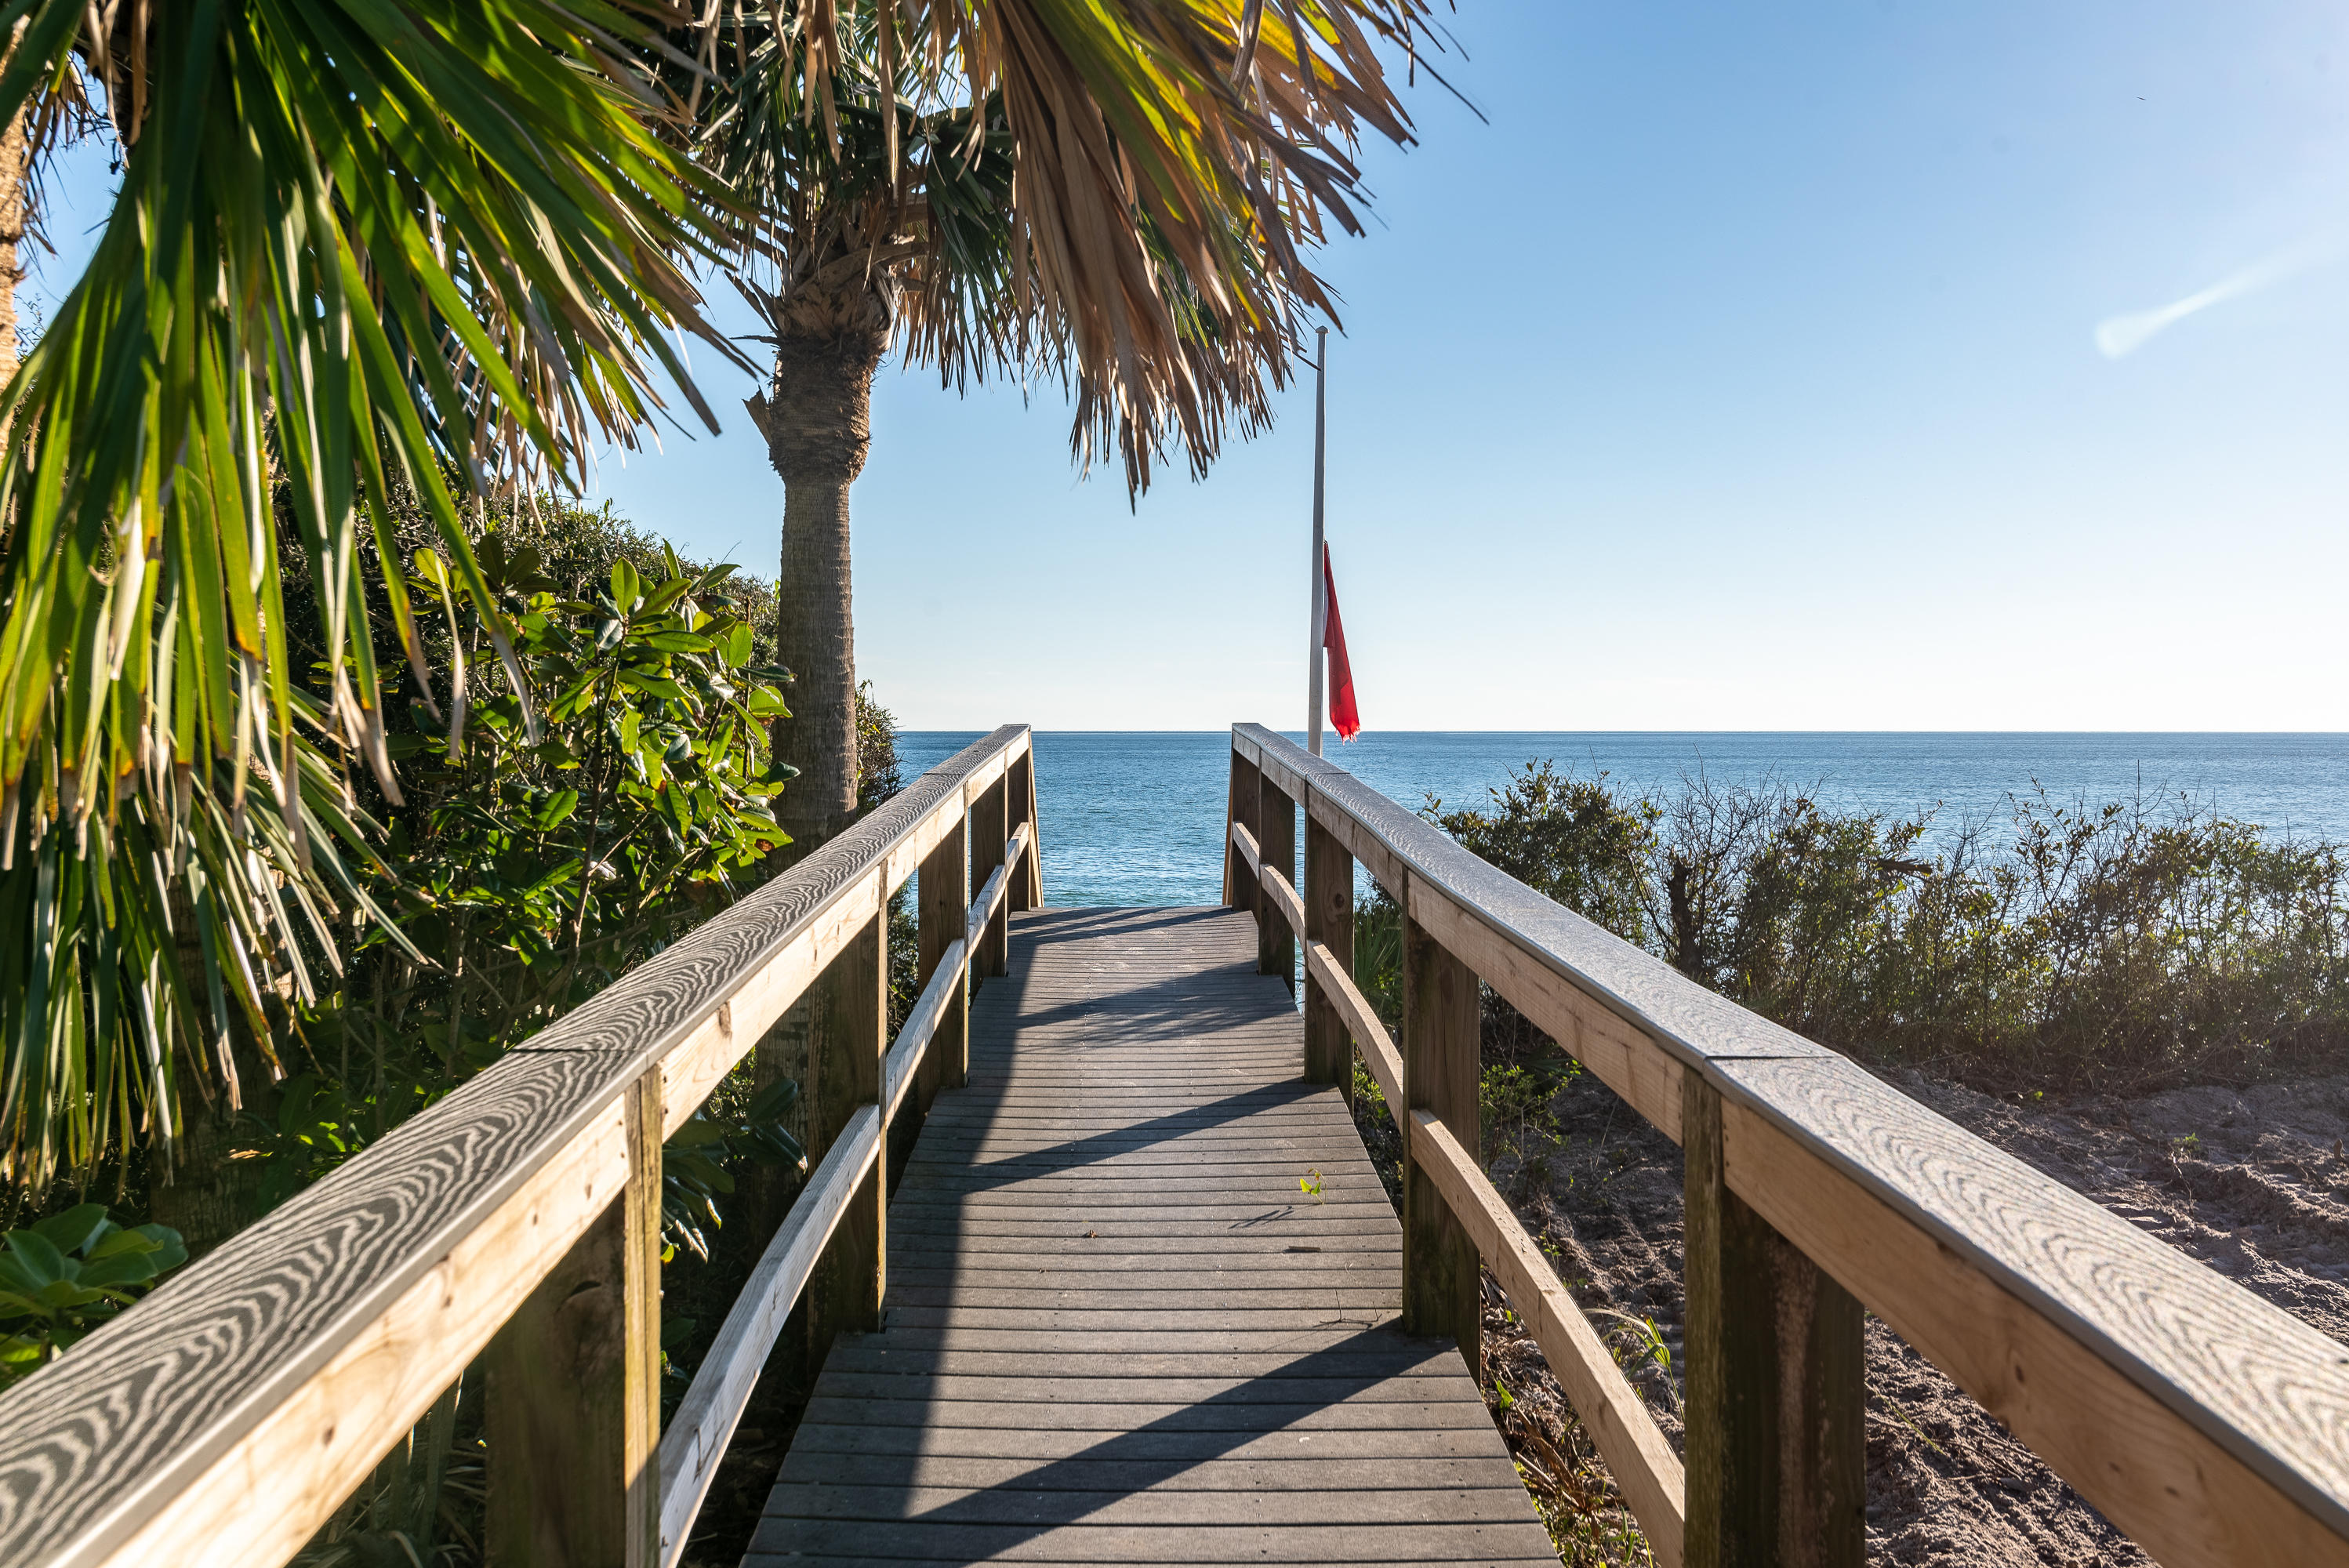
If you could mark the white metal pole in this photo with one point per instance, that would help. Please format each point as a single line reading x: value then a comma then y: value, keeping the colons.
x: 1314, y: 656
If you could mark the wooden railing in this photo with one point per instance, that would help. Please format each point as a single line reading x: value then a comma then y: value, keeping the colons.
x: 226, y: 1418
x: 2208, y: 1425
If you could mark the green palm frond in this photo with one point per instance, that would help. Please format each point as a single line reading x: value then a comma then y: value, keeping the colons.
x: 360, y: 246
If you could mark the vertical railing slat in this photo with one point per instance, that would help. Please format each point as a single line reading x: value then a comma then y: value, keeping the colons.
x: 640, y: 1412
x: 1275, y: 838
x: 1329, y: 921
x: 1025, y: 891
x: 990, y: 826
x: 573, y: 1413
x: 943, y: 892
x: 1776, y: 1371
x: 845, y: 1056
x: 1441, y: 1290
x: 1239, y: 883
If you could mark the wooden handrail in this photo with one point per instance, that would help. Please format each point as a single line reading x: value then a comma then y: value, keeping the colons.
x: 1628, y: 1437
x: 697, y: 1436
x: 722, y: 1387
x: 224, y: 1418
x: 2210, y: 1426
x: 1643, y: 1462
x: 906, y: 1053
x: 1244, y: 843
x: 1285, y: 901
x: 1377, y: 1047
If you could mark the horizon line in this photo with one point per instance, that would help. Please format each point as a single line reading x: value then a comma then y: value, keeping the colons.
x: 944, y: 729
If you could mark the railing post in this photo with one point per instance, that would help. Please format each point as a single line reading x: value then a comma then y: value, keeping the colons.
x: 844, y: 1060
x: 944, y: 895
x: 1329, y: 921
x: 1778, y: 1386
x: 1239, y: 885
x: 1025, y: 891
x: 1276, y: 835
x: 574, y: 1385
x: 990, y: 825
x: 1441, y: 1291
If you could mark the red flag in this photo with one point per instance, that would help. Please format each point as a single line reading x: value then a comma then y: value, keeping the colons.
x: 1343, y: 717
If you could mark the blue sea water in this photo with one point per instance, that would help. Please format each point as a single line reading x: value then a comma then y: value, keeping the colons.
x: 1137, y: 818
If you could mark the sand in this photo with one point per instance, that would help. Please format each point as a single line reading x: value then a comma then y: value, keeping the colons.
x: 2254, y: 1183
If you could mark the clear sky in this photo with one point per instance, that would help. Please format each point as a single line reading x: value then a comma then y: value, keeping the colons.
x: 1743, y: 372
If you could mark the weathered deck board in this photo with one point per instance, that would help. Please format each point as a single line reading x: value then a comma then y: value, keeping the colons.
x: 1118, y: 1330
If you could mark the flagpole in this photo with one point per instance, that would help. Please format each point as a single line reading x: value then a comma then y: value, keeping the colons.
x: 1313, y: 658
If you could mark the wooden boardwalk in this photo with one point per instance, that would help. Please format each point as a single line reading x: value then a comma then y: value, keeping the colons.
x: 1117, y: 1330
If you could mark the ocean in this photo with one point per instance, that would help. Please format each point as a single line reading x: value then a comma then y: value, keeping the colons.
x: 1138, y: 819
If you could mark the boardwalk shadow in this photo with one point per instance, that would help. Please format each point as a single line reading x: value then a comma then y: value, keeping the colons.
x: 1303, y: 1400
x: 1167, y: 1006
x: 1066, y: 1492
x: 1134, y: 1388
x: 1151, y: 1007
x: 1093, y: 1148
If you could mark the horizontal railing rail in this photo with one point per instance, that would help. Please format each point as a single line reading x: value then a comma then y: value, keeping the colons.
x: 2210, y: 1426
x: 226, y: 1418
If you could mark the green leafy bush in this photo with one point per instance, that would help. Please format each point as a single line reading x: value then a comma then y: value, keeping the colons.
x: 68, y: 1274
x: 559, y: 844
x: 544, y: 847
x: 2132, y: 946
x: 1378, y: 955
x: 1569, y: 838
x: 1513, y: 1106
x: 699, y: 1161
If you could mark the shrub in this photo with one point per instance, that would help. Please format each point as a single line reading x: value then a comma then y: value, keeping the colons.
x: 2131, y: 946
x: 538, y: 856
x: 1569, y: 838
x: 68, y: 1274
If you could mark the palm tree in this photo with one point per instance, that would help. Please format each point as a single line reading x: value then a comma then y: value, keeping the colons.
x: 1118, y: 195
x: 362, y: 247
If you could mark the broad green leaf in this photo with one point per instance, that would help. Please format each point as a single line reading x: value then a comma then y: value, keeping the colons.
x: 121, y: 1269
x: 653, y: 686
x: 558, y: 809
x: 43, y: 1264
x: 76, y: 1229
x: 675, y: 642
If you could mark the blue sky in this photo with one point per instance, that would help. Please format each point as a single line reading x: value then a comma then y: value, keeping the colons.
x: 1741, y: 374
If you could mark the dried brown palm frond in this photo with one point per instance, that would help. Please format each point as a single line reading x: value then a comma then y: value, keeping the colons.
x: 1121, y: 192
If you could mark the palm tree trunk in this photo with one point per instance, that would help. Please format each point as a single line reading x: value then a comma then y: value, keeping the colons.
x: 15, y: 217
x: 817, y: 418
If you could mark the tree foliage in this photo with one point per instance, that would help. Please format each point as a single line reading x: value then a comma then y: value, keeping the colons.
x: 375, y: 253
x: 67, y: 1275
x: 1121, y: 196
x: 527, y: 870
x: 2134, y: 944
x: 427, y: 247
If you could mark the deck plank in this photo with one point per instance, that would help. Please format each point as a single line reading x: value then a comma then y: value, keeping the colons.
x: 1118, y: 1330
